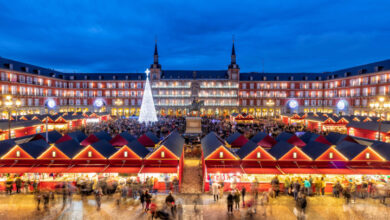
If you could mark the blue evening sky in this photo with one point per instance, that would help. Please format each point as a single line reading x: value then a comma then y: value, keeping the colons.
x: 118, y: 36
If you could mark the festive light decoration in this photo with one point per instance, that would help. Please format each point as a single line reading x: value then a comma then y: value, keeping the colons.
x: 293, y: 104
x: 51, y: 103
x: 148, y: 111
x: 341, y: 105
x: 98, y: 103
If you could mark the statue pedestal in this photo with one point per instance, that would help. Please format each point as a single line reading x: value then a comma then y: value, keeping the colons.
x: 193, y: 125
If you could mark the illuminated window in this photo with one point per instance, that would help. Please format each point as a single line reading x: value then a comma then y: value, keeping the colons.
x: 294, y: 155
x: 162, y: 154
x: 367, y: 155
x: 125, y: 154
x: 258, y: 155
x: 53, y: 154
x: 89, y: 153
x: 17, y: 153
x: 221, y: 154
x: 331, y: 155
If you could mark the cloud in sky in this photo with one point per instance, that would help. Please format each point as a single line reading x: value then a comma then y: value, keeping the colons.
x: 118, y: 36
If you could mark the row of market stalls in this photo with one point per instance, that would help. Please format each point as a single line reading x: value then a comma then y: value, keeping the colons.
x: 334, y: 157
x: 328, y: 121
x: 75, y: 155
x: 34, y: 124
x: 241, y: 118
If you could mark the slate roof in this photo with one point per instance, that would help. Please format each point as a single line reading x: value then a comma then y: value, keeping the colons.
x: 233, y: 137
x: 308, y: 137
x: 102, y: 135
x: 259, y: 136
x: 5, y: 146
x: 246, y: 149
x: 118, y: 141
x: 77, y: 135
x: 152, y: 137
x: 52, y: 135
x: 35, y: 148
x: 256, y: 76
x: 126, y: 135
x: 104, y: 148
x: 18, y: 124
x: 210, y: 143
x: 382, y: 149
x: 64, y: 138
x: 284, y: 136
x: 70, y: 148
x: 138, y: 148
x: 237, y: 139
x: 280, y: 149
x: 189, y: 74
x: 175, y: 143
x: 336, y: 138
x: 89, y: 140
x: 370, y: 125
x: 314, y: 149
x: 350, y: 149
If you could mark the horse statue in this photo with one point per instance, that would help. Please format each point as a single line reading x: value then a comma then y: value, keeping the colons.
x: 196, y: 105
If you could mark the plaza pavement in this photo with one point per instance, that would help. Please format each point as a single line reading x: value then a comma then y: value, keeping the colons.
x: 24, y: 207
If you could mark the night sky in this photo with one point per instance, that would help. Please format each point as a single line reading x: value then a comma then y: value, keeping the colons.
x: 108, y: 36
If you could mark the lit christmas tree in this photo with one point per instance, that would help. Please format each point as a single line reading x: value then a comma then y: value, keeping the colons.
x: 148, y: 111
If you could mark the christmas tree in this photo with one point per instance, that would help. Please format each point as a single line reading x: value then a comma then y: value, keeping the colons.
x: 148, y: 111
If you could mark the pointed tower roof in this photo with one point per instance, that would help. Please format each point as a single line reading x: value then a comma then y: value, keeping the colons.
x: 233, y: 49
x: 155, y: 48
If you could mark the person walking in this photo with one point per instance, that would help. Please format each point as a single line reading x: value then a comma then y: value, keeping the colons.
x: 296, y: 188
x: 301, y: 204
x: 307, y: 186
x: 170, y: 202
x: 230, y: 199
x: 148, y: 200
x: 18, y: 184
x: 275, y: 186
x: 323, y: 186
x: 142, y: 199
x: 237, y: 195
x: 38, y: 197
x: 243, y: 192
x: 215, y: 192
x: 98, y: 198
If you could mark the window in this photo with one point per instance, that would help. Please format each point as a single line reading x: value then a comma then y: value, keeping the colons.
x: 221, y: 154
x: 162, y: 154
x: 53, y: 154
x: 18, y: 153
x: 258, y: 155
x: 331, y: 155
x: 295, y: 155
x: 89, y: 153
x: 125, y: 154
x: 367, y: 155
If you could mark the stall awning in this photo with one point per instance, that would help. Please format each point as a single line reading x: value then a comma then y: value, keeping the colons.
x: 159, y: 170
x: 122, y: 170
x: 224, y: 170
x: 300, y: 171
x: 262, y: 171
x: 372, y: 171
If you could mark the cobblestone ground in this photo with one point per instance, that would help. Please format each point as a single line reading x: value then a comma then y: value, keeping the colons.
x: 24, y: 207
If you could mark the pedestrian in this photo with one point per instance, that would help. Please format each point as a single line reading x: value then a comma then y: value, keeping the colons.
x: 307, y: 186
x: 46, y: 198
x: 142, y: 199
x: 237, y: 196
x: 170, y: 202
x: 179, y: 211
x: 275, y: 186
x: 38, y: 197
x: 221, y: 190
x: 323, y: 186
x: 243, y: 192
x: 296, y: 188
x: 98, y: 198
x: 9, y: 184
x: 347, y: 194
x: 215, y: 192
x: 148, y: 200
x: 230, y: 199
x: 64, y: 195
x: 18, y: 184
x: 301, y: 204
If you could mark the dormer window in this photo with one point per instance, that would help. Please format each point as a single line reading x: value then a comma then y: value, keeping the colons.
x: 295, y: 155
x: 125, y: 154
x: 114, y: 77
x: 85, y: 77
x: 221, y: 154
x: 89, y: 153
x: 258, y: 155
x: 162, y: 154
x: 331, y: 155
x: 367, y: 155
x: 18, y: 153
x: 53, y: 154
x: 100, y: 77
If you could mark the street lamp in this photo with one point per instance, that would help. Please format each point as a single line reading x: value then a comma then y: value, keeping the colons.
x: 8, y: 104
x: 50, y: 104
x: 380, y: 107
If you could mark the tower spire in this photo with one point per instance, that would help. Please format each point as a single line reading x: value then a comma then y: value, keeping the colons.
x: 233, y: 56
x: 155, y: 51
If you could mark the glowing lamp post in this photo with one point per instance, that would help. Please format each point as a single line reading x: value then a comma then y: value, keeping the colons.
x: 50, y: 104
x: 380, y: 106
x: 8, y: 104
